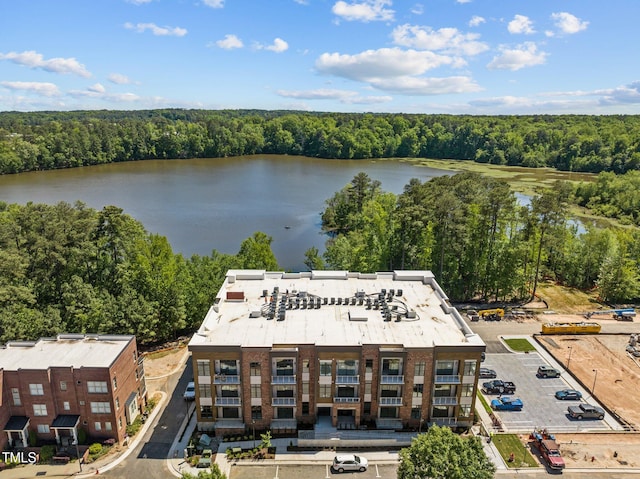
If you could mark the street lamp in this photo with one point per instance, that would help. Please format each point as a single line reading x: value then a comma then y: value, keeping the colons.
x: 75, y: 441
x: 569, y: 360
x: 253, y: 426
x: 595, y: 376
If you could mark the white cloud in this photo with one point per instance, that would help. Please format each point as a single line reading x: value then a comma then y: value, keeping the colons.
x: 119, y: 79
x: 364, y: 11
x: 97, y: 88
x: 343, y: 96
x: 39, y: 88
x: 99, y: 92
x: 214, y: 3
x: 278, y: 46
x: 463, y: 1
x: 156, y: 30
x: 417, y: 9
x: 448, y: 40
x: 427, y: 86
x: 525, y: 55
x: 229, y: 42
x: 139, y: 2
x: 33, y: 59
x: 476, y: 20
x: 383, y: 63
x: 621, y: 95
x: 521, y: 24
x: 568, y: 23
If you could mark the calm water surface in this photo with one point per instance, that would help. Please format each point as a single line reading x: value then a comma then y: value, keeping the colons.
x: 206, y: 204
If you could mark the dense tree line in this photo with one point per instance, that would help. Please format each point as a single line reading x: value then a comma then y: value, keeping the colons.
x: 48, y: 140
x: 69, y: 268
x: 476, y: 238
x: 612, y: 196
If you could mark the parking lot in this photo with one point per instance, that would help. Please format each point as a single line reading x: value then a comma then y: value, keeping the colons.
x: 541, y: 409
x: 291, y: 471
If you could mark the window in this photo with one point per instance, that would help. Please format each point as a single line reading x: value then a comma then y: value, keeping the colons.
x: 325, y: 368
x: 256, y: 412
x: 256, y: 391
x: 367, y: 387
x: 15, y: 393
x: 419, y: 368
x: 389, y: 412
x: 204, y: 367
x: 230, y: 412
x: 391, y: 367
x: 96, y: 387
x: 97, y: 426
x: 100, y: 407
x: 325, y: 390
x: 284, y: 367
x: 417, y: 390
x: 347, y: 367
x: 305, y: 388
x: 444, y: 390
x: 36, y: 389
x: 134, y: 357
x: 206, y: 412
x: 117, y: 403
x: 465, y: 410
x: 448, y: 367
x: 107, y: 426
x: 229, y: 391
x: 467, y: 390
x: 205, y: 390
x: 119, y: 423
x: 228, y: 367
x: 415, y: 413
x: 254, y: 369
x: 283, y: 391
x: 63, y: 385
x: 390, y: 391
x: 284, y: 412
x: 39, y: 409
x: 470, y: 368
x: 115, y: 383
x: 305, y: 408
x: 66, y: 406
x: 43, y: 429
x: 305, y: 364
x: 367, y: 408
x: 368, y: 365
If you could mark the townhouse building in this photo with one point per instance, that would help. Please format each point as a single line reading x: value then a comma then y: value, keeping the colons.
x: 384, y: 350
x: 55, y: 386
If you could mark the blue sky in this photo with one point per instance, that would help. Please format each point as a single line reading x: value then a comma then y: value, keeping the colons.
x: 429, y: 56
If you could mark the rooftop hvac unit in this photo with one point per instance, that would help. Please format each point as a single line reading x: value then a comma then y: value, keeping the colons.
x: 255, y: 314
x: 339, y: 300
x: 399, y: 292
x: 411, y: 314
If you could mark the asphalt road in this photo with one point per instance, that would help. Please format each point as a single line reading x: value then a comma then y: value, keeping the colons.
x: 148, y: 460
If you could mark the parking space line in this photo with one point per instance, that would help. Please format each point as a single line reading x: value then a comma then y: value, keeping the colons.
x: 377, y: 472
x: 277, y: 470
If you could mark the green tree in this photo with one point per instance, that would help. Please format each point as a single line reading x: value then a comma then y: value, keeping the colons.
x: 214, y: 472
x: 313, y: 260
x: 441, y: 454
x: 255, y: 253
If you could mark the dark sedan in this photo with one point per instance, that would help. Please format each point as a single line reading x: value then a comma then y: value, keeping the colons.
x: 569, y: 394
x: 488, y: 373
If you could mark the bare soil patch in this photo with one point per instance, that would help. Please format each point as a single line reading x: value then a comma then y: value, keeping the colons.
x: 161, y: 363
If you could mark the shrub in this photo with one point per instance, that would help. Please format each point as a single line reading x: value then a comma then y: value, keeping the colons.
x: 47, y: 452
x: 33, y: 438
x: 82, y: 436
x: 95, y: 448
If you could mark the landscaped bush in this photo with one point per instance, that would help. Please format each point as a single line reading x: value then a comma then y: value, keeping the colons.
x: 95, y: 448
x: 47, y: 452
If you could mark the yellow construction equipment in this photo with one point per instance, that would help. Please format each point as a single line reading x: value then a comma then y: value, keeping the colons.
x: 571, y: 328
x: 491, y: 314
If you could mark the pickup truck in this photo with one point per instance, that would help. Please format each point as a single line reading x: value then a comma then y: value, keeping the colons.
x: 505, y: 403
x: 549, y: 449
x: 585, y: 411
x: 497, y: 386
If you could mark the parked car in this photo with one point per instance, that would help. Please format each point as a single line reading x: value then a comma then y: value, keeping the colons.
x: 547, y: 372
x: 190, y: 392
x: 488, y: 373
x: 586, y: 411
x: 350, y: 462
x: 569, y: 394
x: 506, y: 403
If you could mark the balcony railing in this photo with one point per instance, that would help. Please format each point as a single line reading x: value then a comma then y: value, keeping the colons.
x: 445, y: 401
x: 226, y: 379
x: 283, y: 401
x: 350, y: 379
x: 391, y: 401
x: 283, y: 379
x: 448, y: 379
x: 228, y: 401
x: 341, y: 399
x: 392, y: 379
x: 444, y: 421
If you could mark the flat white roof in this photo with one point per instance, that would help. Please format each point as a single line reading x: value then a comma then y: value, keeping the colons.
x: 66, y: 350
x: 418, y: 312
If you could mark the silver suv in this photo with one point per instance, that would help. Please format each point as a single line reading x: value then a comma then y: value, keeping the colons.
x: 548, y: 372
x: 349, y: 462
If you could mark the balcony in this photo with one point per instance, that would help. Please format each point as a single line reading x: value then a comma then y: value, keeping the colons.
x: 444, y: 421
x: 228, y: 401
x: 392, y: 379
x: 340, y: 399
x: 226, y: 379
x: 350, y: 379
x: 283, y: 379
x: 445, y: 401
x: 448, y: 379
x: 283, y: 401
x: 384, y: 401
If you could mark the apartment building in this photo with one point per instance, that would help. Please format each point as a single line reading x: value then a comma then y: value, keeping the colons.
x: 385, y: 350
x: 55, y: 386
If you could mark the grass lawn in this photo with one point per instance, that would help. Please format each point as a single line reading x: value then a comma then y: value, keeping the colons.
x: 484, y: 402
x: 510, y: 443
x: 520, y: 345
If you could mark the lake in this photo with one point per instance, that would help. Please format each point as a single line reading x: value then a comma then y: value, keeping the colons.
x: 206, y: 204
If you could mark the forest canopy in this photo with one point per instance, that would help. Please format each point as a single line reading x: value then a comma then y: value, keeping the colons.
x: 50, y: 140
